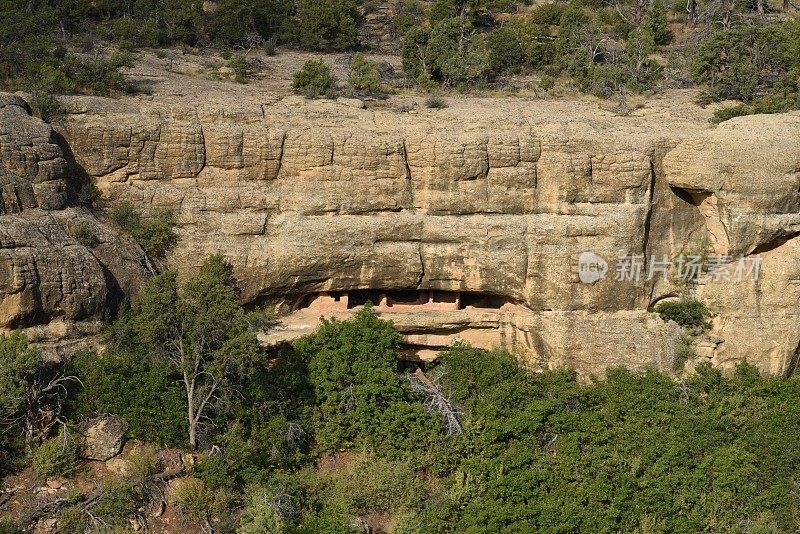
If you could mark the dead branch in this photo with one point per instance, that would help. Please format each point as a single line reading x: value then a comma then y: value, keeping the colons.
x: 437, y: 401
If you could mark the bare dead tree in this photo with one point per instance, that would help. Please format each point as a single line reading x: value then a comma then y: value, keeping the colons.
x: 632, y: 14
x: 436, y: 401
x: 40, y: 409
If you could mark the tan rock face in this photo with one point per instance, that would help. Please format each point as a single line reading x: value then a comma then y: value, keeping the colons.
x: 46, y: 275
x: 311, y: 197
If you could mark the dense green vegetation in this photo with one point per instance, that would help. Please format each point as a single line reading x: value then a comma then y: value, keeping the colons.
x: 314, y: 79
x: 154, y: 234
x: 734, y: 50
x: 689, y: 313
x: 337, y: 430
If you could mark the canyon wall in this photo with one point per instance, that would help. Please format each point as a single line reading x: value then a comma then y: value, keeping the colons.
x: 308, y: 197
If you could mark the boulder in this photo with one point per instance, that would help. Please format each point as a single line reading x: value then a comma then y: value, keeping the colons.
x: 103, y: 437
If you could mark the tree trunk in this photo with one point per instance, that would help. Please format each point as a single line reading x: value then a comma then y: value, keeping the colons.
x: 190, y: 402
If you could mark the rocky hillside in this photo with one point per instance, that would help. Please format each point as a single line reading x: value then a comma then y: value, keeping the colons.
x: 51, y: 283
x: 491, y: 196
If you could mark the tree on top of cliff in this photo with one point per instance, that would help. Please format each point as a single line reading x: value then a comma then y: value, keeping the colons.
x: 326, y: 25
x: 200, y: 331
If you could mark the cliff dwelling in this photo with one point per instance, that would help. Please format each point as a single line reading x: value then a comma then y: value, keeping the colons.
x: 428, y: 319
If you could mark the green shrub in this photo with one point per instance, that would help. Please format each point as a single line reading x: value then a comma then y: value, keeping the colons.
x: 9, y: 526
x: 547, y: 82
x: 194, y: 498
x: 684, y: 352
x: 143, y: 461
x: 72, y: 520
x: 116, y: 504
x: 314, y: 79
x: 746, y: 62
x: 260, y: 515
x: 90, y: 195
x: 691, y: 314
x: 455, y: 53
x: 84, y: 235
x: 364, y: 74
x: 353, y: 368
x: 413, y: 52
x: 56, y: 457
x: 547, y: 14
x: 19, y: 362
x: 241, y: 69
x: 155, y: 234
x: 132, y: 386
x: 380, y: 485
x: 270, y: 47
x: 46, y: 106
x: 99, y: 75
x: 326, y: 25
x: 655, y: 22
x: 765, y: 104
x: 516, y: 46
x: 434, y: 101
x: 727, y: 113
x: 409, y: 14
x: 234, y: 21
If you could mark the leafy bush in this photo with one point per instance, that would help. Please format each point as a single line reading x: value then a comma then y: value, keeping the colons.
x: 727, y: 113
x: 236, y: 21
x: 260, y: 515
x: 691, y: 314
x: 379, y: 485
x: 56, y: 457
x: 453, y: 58
x: 764, y: 104
x: 364, y: 74
x: 241, y: 69
x: 98, y: 75
x: 314, y: 79
x: 684, y: 352
x: 326, y: 25
x: 46, y: 106
x: 143, y: 461
x: 746, y: 62
x: 518, y: 45
x: 547, y: 82
x: 116, y: 504
x: 409, y: 14
x: 655, y: 23
x: 155, y: 234
x: 434, y: 101
x: 72, y: 520
x: 132, y: 386
x: 413, y: 52
x: 84, y: 235
x: 353, y: 368
x: 194, y: 498
x: 18, y: 362
x: 9, y: 526
x: 547, y: 14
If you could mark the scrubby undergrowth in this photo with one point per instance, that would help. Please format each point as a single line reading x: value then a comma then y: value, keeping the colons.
x: 330, y: 435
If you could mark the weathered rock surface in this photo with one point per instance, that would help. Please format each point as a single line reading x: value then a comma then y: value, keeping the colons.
x: 103, y: 437
x: 305, y: 197
x: 47, y: 277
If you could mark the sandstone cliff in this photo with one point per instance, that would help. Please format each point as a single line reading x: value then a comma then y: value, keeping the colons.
x: 48, y: 279
x: 488, y: 197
